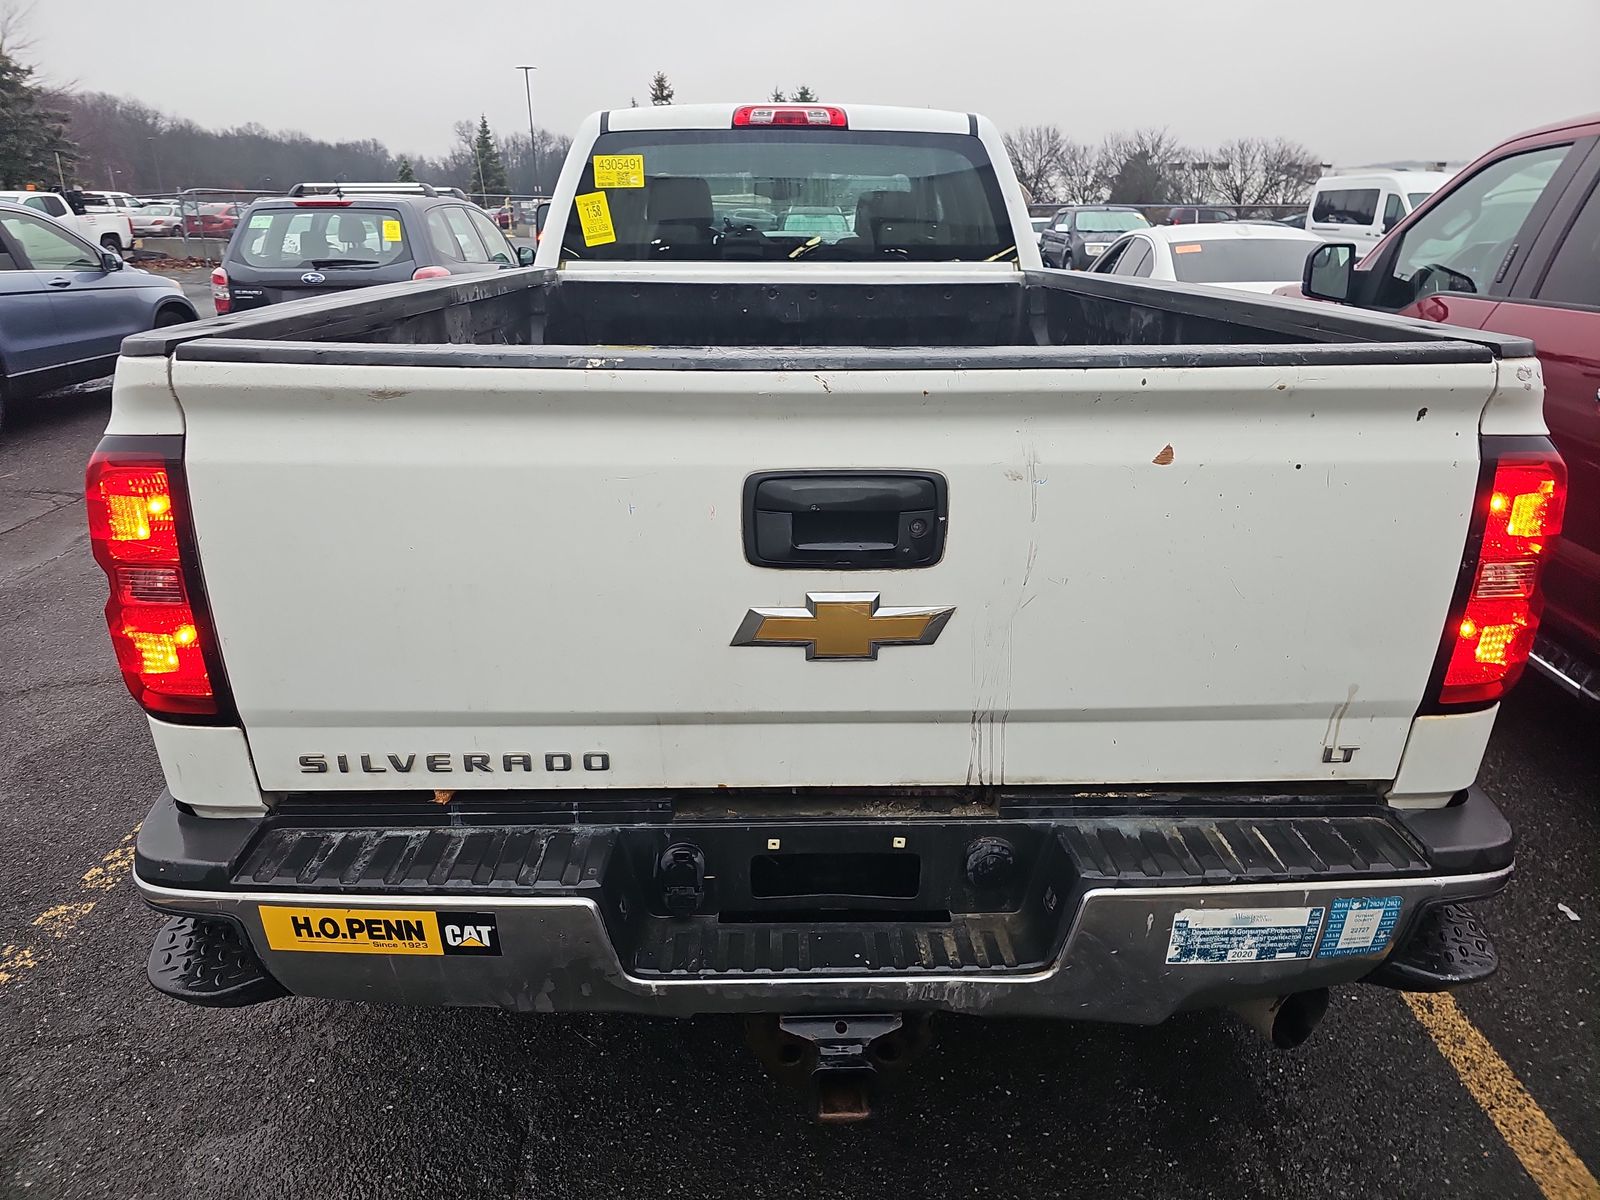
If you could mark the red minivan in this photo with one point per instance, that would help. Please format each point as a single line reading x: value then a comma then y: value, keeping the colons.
x: 1512, y: 245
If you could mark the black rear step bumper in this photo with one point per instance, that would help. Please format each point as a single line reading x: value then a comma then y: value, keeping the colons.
x: 1063, y: 915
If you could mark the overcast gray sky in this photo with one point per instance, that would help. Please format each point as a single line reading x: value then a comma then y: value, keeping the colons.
x: 1359, y: 81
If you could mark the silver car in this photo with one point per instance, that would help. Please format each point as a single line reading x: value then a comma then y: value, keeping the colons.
x: 156, y: 220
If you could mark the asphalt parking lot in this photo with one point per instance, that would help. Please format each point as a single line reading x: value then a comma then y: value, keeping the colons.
x: 108, y: 1090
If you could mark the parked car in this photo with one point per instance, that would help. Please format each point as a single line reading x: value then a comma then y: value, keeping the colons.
x: 1040, y: 224
x: 1511, y: 245
x: 1244, y: 256
x: 292, y: 247
x: 1293, y: 220
x: 212, y: 220
x: 1362, y: 207
x: 157, y: 220
x: 540, y: 660
x: 112, y: 201
x: 106, y: 227
x: 745, y: 217
x: 828, y: 222
x: 1198, y: 214
x: 1077, y: 235
x: 67, y: 304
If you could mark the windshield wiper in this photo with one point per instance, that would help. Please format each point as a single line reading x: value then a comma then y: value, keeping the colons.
x: 343, y: 262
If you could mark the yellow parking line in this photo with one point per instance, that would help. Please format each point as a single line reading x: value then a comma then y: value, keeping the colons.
x: 1533, y: 1138
x: 61, y: 919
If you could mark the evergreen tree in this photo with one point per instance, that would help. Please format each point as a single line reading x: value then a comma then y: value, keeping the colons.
x: 31, y: 135
x: 489, y: 172
x: 804, y: 95
x: 777, y: 96
x: 661, y: 92
x: 405, y: 174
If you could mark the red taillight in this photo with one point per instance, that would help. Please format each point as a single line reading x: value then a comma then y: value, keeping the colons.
x: 431, y: 273
x: 221, y: 297
x: 820, y: 116
x: 1520, y: 516
x: 138, y: 530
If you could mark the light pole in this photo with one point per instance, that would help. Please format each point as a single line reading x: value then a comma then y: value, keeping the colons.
x: 533, y: 148
x: 156, y: 151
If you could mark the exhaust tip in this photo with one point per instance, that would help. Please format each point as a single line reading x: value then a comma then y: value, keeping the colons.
x: 1285, y: 1021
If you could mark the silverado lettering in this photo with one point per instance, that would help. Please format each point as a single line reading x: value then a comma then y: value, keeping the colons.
x: 442, y: 764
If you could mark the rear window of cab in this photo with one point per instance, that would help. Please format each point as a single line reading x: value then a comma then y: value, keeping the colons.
x: 780, y: 195
x: 323, y: 237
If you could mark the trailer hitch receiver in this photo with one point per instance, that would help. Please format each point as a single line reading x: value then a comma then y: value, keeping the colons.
x: 839, y: 1057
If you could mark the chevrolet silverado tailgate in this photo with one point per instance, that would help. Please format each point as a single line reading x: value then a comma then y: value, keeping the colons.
x: 492, y: 577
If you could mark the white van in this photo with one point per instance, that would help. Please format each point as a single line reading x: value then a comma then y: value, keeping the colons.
x: 1362, y: 207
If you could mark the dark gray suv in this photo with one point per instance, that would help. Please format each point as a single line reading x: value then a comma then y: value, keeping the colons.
x: 308, y: 244
x: 1079, y: 234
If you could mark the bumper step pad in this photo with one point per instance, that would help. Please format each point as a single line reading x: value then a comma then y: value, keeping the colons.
x: 855, y: 948
x: 1447, y: 948
x: 208, y: 962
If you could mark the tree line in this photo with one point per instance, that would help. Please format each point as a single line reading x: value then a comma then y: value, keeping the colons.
x: 128, y: 146
x: 1150, y: 166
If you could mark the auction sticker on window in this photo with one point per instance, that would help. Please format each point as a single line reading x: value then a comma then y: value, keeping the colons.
x: 379, y: 930
x: 594, y: 215
x: 619, y: 170
x: 1227, y: 935
x: 1360, y: 925
x: 391, y: 230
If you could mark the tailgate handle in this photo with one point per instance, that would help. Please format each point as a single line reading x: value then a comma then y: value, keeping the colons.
x: 844, y: 520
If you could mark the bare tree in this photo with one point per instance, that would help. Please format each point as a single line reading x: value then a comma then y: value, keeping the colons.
x: 1240, y: 177
x: 15, y: 38
x: 1290, y: 170
x: 1079, y: 178
x: 1257, y: 172
x: 1037, y: 153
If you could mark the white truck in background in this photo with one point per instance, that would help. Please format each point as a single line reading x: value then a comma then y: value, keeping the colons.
x: 836, y: 624
x: 107, y: 228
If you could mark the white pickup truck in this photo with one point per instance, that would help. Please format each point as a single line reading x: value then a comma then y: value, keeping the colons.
x: 789, y: 598
x: 107, y: 228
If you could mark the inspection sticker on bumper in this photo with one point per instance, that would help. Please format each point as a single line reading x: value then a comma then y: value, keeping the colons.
x: 1226, y: 935
x: 379, y: 930
x: 1359, y: 925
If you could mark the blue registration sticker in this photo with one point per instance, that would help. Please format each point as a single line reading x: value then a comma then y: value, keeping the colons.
x: 1359, y: 925
x: 1228, y: 935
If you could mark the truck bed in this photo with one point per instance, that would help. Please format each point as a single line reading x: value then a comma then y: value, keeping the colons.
x: 1097, y: 320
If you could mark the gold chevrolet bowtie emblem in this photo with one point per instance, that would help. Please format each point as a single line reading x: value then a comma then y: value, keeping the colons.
x: 841, y: 625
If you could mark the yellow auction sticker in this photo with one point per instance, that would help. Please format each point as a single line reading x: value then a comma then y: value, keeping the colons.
x: 594, y: 215
x: 379, y: 930
x: 391, y: 231
x: 619, y: 170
